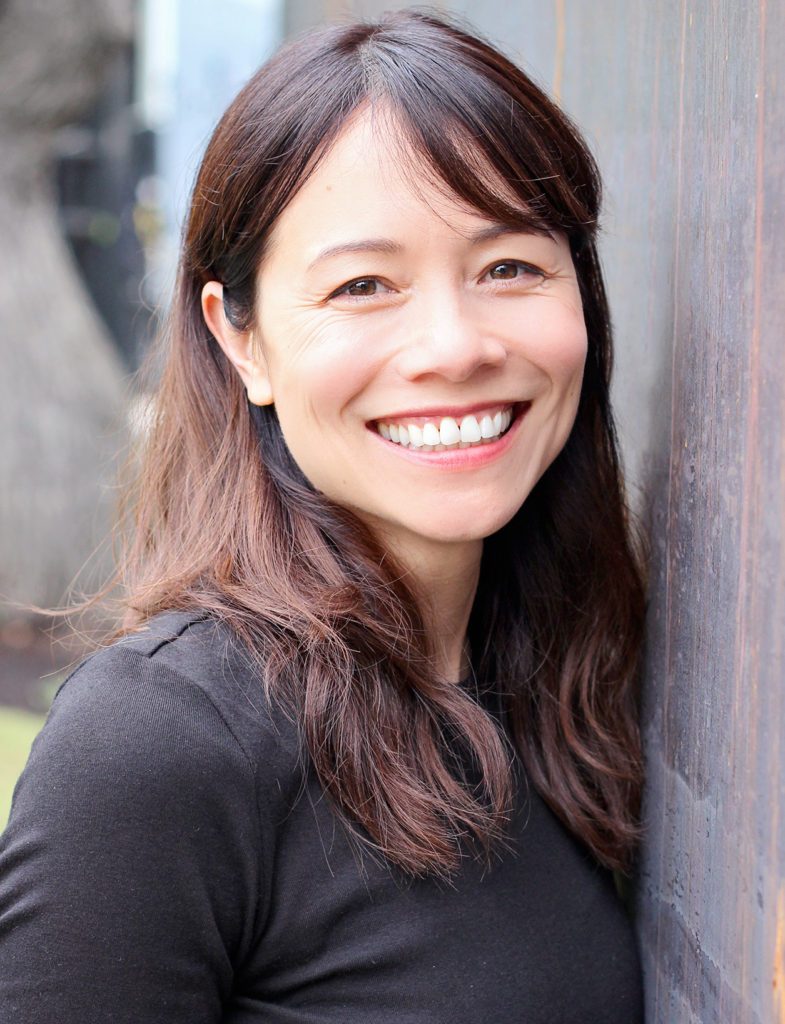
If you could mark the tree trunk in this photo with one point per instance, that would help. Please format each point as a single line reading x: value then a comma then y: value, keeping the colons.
x: 62, y: 395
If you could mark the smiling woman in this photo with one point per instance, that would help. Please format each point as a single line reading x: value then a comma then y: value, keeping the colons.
x: 379, y: 556
x: 431, y: 339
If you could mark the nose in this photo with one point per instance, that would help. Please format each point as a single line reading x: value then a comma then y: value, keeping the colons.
x: 447, y: 338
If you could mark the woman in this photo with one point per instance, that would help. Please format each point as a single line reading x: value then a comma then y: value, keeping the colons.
x: 365, y: 747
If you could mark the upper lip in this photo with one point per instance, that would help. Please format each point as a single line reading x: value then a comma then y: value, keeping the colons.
x: 456, y: 411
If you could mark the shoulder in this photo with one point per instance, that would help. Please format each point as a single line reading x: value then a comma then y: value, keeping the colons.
x: 179, y: 695
x: 141, y: 833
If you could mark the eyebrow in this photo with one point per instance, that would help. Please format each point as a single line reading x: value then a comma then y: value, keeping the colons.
x: 388, y: 247
x: 382, y: 245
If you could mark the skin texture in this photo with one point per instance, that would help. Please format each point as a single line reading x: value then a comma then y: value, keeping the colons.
x: 438, y: 320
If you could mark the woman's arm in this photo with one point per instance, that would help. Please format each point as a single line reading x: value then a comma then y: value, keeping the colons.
x: 129, y: 870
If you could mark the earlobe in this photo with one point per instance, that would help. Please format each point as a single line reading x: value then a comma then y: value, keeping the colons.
x: 259, y: 389
x: 238, y: 346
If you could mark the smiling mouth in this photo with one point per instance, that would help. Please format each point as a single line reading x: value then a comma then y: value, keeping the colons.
x: 449, y: 433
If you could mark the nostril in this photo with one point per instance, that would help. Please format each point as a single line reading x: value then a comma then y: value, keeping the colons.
x: 453, y: 354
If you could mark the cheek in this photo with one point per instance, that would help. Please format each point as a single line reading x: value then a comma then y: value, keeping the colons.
x: 319, y: 369
x: 556, y: 342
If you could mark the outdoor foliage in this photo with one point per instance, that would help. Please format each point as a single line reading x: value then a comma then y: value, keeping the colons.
x: 18, y: 729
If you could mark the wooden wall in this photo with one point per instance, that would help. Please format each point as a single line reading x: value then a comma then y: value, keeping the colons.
x: 684, y: 104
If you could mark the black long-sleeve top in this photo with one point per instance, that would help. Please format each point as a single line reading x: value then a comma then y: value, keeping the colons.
x: 169, y: 860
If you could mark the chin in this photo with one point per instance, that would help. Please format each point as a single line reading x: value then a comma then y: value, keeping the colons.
x: 461, y: 529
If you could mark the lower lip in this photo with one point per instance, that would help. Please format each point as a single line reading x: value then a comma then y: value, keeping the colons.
x: 460, y: 458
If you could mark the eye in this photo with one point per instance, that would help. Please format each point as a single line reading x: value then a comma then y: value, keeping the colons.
x: 508, y: 271
x: 360, y: 288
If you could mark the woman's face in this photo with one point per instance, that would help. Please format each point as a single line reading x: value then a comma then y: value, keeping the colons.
x: 386, y: 316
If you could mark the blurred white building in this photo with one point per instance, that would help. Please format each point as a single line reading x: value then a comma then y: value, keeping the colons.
x: 192, y: 57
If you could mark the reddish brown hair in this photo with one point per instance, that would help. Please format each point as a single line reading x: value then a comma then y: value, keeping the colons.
x: 224, y: 520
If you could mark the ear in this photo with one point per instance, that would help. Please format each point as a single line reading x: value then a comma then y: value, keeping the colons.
x: 238, y: 346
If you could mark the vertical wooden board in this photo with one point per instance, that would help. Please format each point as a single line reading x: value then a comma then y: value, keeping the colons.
x: 763, y: 609
x: 704, y: 719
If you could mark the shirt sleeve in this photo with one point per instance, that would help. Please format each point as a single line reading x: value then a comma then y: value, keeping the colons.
x: 129, y: 869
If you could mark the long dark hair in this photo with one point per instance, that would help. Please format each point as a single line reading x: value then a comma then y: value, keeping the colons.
x: 223, y: 519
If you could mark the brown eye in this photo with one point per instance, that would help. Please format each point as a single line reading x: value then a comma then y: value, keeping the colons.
x: 515, y: 270
x: 360, y: 289
x: 505, y: 271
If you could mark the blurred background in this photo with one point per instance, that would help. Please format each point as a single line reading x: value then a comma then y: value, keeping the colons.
x: 105, y: 108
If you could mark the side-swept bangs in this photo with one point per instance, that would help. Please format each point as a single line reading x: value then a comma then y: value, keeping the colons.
x: 461, y: 114
x: 478, y: 125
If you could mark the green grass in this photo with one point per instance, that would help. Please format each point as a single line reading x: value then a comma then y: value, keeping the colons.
x: 18, y: 729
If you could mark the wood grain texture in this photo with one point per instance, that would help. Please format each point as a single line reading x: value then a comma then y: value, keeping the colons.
x: 684, y: 105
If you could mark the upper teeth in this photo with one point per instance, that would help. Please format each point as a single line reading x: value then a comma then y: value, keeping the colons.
x: 448, y: 432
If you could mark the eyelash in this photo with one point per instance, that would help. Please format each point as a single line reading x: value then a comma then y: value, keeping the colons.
x: 505, y: 283
x: 530, y: 267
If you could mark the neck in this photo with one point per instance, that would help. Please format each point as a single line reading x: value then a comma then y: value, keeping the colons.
x: 445, y: 578
x: 449, y: 601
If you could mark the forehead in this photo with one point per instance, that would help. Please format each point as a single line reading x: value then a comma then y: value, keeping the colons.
x: 372, y: 179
